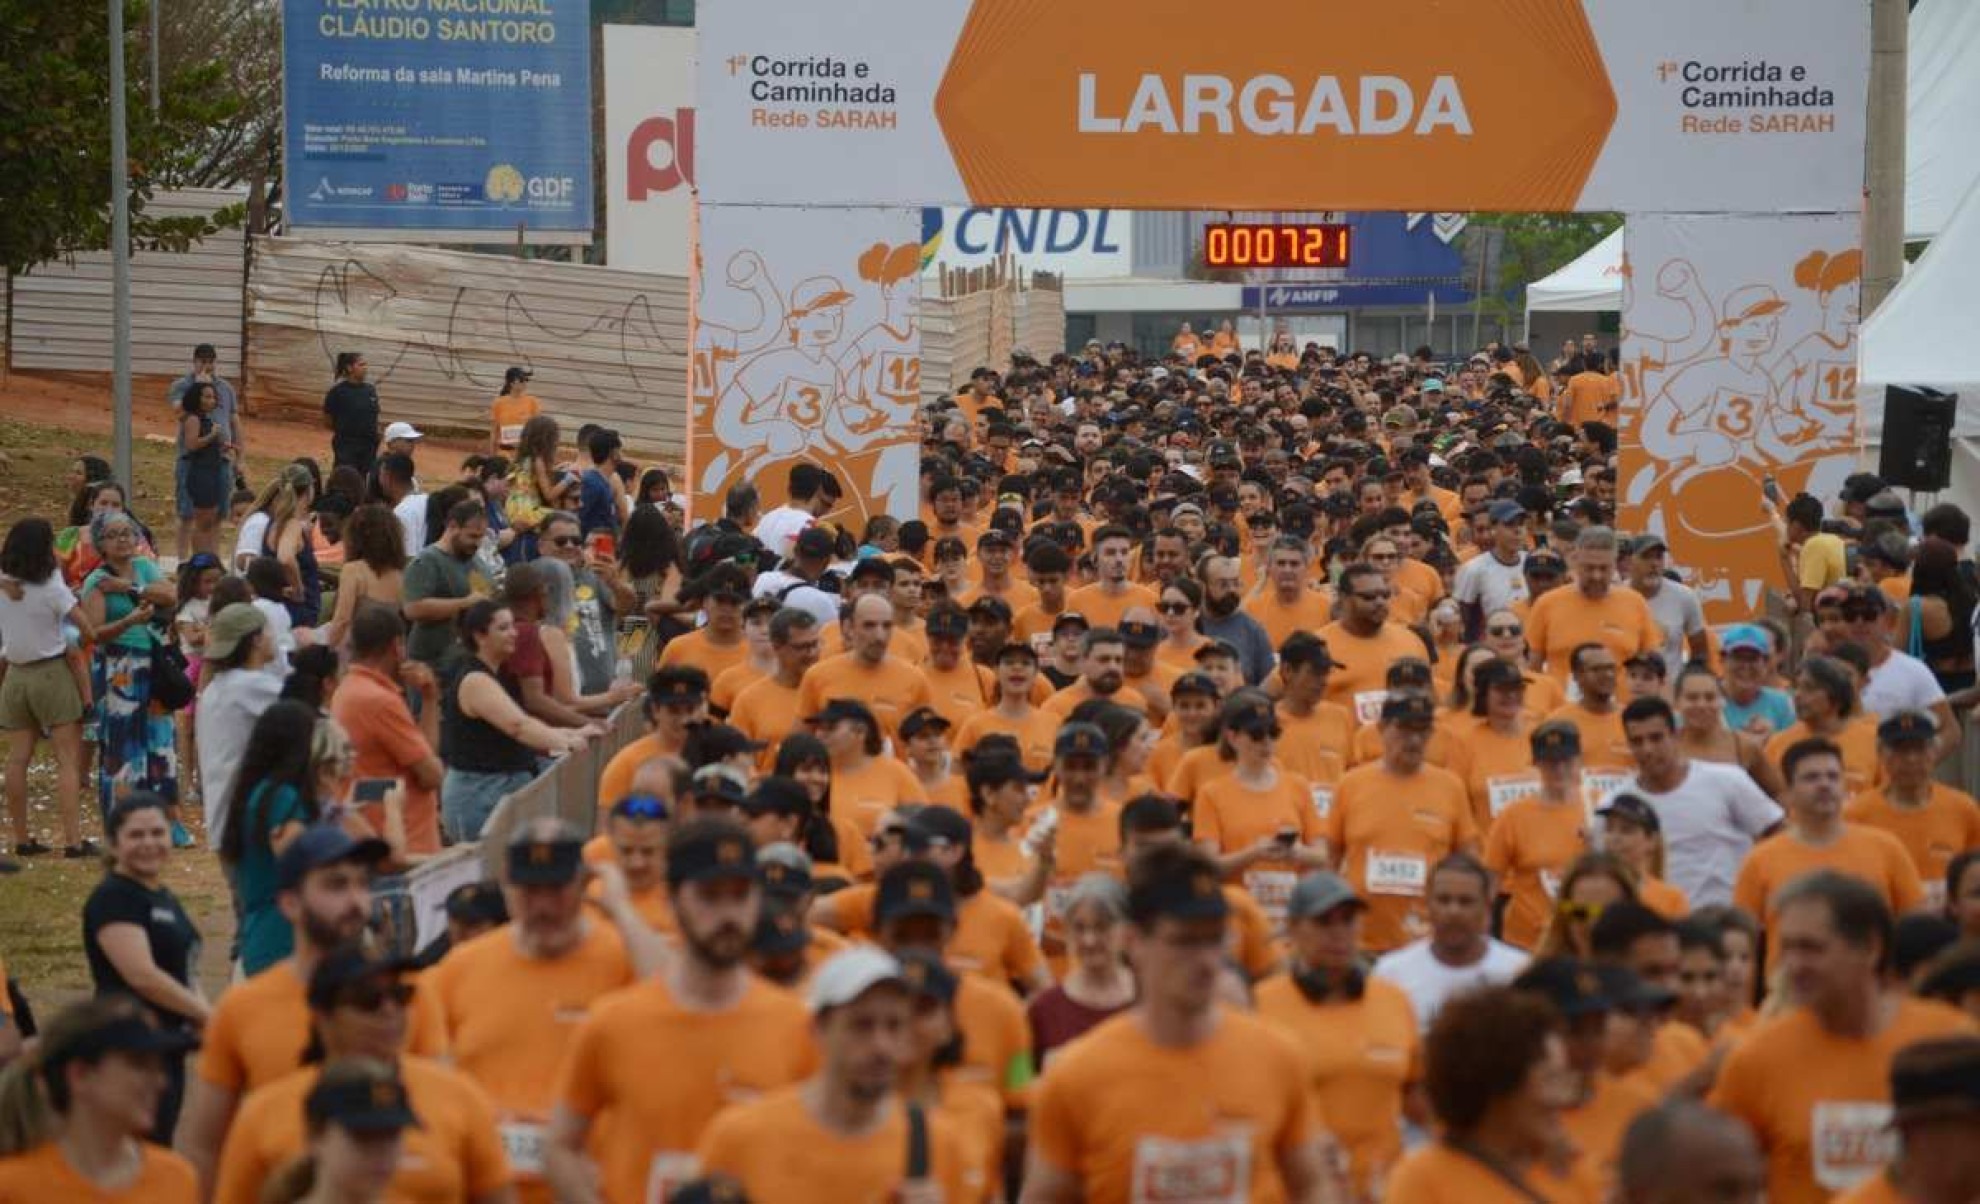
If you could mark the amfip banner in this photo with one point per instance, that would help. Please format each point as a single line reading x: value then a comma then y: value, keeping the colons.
x: 1676, y: 105
x: 1739, y: 368
x: 649, y: 147
x: 411, y: 117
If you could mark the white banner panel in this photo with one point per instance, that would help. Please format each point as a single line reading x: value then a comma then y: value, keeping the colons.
x: 1080, y: 244
x: 649, y: 147
x: 1739, y: 368
x: 807, y: 346
x: 1678, y: 105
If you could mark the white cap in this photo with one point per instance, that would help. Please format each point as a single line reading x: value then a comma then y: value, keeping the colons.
x: 850, y: 973
x: 402, y: 430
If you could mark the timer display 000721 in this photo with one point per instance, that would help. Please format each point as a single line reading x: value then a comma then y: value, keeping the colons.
x: 1294, y: 245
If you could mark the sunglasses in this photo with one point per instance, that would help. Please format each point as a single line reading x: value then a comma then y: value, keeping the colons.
x: 1861, y: 614
x: 1175, y: 608
x: 1503, y: 630
x: 640, y: 806
x: 564, y: 541
x: 372, y: 996
x: 1581, y: 913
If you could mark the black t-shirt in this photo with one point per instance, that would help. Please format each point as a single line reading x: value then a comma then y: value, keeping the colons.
x: 353, y: 410
x: 174, y: 941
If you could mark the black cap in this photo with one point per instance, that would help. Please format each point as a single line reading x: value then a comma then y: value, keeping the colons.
x: 1151, y: 813
x: 477, y: 903
x: 1574, y: 988
x: 775, y: 795
x: 322, y: 845
x: 780, y: 928
x: 927, y: 976
x: 346, y: 966
x: 723, y: 783
x: 996, y: 535
x: 1629, y: 992
x: 715, y: 1189
x: 1502, y: 674
x: 948, y: 622
x: 1187, y: 893
x: 361, y: 1104
x: 1908, y: 727
x: 944, y: 824
x: 1215, y: 647
x: 675, y: 688
x: 1080, y: 740
x: 1556, y: 741
x: 1409, y: 673
x: 997, y: 769
x: 814, y: 543
x: 1634, y: 808
x: 125, y: 1034
x: 878, y: 568
x: 515, y: 374
x: 719, y: 742
x: 992, y: 606
x: 1017, y: 648
x: 1543, y: 561
x: 914, y: 888
x: 844, y: 708
x: 704, y: 851
x: 1140, y: 635
x: 1194, y: 683
x: 921, y: 719
x: 1252, y: 716
x: 1409, y: 710
x: 534, y: 862
x: 1070, y: 618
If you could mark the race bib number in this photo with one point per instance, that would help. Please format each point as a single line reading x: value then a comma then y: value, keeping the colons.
x: 511, y: 432
x: 1215, y: 1170
x: 1503, y: 792
x: 668, y: 1170
x: 1272, y: 889
x: 1323, y: 800
x: 1368, y: 705
x: 1598, y: 784
x: 1397, y: 873
x: 1851, y: 1141
x: 523, y: 1141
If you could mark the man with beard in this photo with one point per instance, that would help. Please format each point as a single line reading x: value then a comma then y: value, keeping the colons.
x: 1367, y: 642
x: 845, y: 1133
x: 1102, y: 672
x: 653, y: 1064
x: 259, y: 1027
x: 1107, y: 599
x: 1223, y: 594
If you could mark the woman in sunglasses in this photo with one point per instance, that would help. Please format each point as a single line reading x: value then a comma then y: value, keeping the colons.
x: 1701, y: 704
x: 1505, y: 634
x: 359, y: 1006
x: 1593, y: 883
x: 1258, y: 820
x: 1181, y: 605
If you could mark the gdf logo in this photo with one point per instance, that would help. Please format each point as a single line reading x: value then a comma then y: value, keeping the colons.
x: 504, y: 184
x: 551, y: 188
x: 671, y: 140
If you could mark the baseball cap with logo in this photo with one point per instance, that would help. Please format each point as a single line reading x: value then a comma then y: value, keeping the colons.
x: 360, y: 1102
x: 1573, y: 987
x: 1409, y: 709
x: 1140, y: 635
x: 947, y: 623
x: 1557, y: 741
x: 914, y: 888
x: 323, y: 845
x: 1908, y: 727
x: 1080, y: 740
x: 710, y: 850
x: 532, y: 861
x: 922, y: 719
x: 1633, y: 808
x: 1185, y: 893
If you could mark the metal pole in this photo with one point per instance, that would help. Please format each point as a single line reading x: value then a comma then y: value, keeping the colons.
x: 120, y: 252
x: 1883, y: 215
x: 154, y: 6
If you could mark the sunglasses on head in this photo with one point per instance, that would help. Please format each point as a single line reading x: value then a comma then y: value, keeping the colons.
x: 372, y: 996
x: 640, y: 806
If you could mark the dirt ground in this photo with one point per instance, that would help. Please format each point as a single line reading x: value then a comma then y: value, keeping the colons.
x: 46, y: 421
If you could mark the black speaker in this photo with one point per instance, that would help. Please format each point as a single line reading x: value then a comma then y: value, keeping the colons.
x: 1917, y: 441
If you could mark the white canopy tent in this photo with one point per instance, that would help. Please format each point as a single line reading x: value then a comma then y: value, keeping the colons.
x: 1942, y: 111
x: 1591, y: 283
x: 1923, y: 332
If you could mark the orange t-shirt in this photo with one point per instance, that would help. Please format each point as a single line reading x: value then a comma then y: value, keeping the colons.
x: 1562, y: 620
x: 1434, y: 1173
x: 1018, y: 595
x: 388, y: 743
x: 509, y: 412
x: 455, y: 1153
x: 1676, y: 1050
x: 1946, y: 825
x: 1866, y: 853
x: 651, y: 1075
x: 890, y: 689
x: 1858, y: 741
x: 723, y: 690
x: 1085, y: 842
x: 960, y: 694
x: 260, y: 1026
x: 1232, y: 816
x: 765, y: 710
x: 1386, y: 831
x: 1597, y: 1127
x: 1062, y: 702
x: 1590, y: 397
x: 1359, y: 1055
x: 1603, y: 744
x: 1663, y: 898
x: 996, y: 1039
x: 1441, y: 751
x: 43, y: 1175
x: 865, y: 794
x: 615, y: 782
x: 908, y: 644
x: 776, y: 1150
x: 1330, y: 728
x: 1002, y: 858
x: 1116, y: 1110
x: 1310, y: 611
x: 1497, y: 767
x: 1530, y: 847
x: 696, y: 649
x: 511, y: 1020
x: 991, y: 937
x: 1104, y: 609
x: 1034, y: 733
x: 1360, y: 681
x: 1819, y: 1103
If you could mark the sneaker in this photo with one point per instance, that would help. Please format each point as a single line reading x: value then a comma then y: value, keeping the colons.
x: 31, y: 848
x: 182, y: 839
x: 82, y: 852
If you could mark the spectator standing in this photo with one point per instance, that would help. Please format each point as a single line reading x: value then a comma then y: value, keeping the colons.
x: 489, y: 745
x: 226, y: 418
x: 40, y: 692
x: 512, y: 408
x: 374, y: 568
x: 240, y: 683
x: 399, y: 489
x: 139, y: 940
x: 599, y: 595
x: 204, y: 468
x: 350, y: 410
x: 387, y: 741
x: 440, y: 584
x: 809, y: 500
x: 137, y: 746
x: 601, y: 493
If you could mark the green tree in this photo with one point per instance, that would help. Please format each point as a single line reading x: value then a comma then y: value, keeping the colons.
x: 55, y: 132
x: 1532, y: 247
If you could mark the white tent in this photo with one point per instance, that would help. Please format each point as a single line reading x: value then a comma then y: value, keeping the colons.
x: 1923, y: 332
x: 1592, y: 282
x: 1942, y: 111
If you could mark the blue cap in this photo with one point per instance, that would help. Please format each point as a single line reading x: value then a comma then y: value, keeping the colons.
x: 324, y: 845
x: 1505, y: 510
x: 1749, y: 636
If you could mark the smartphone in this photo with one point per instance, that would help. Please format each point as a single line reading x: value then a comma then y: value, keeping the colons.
x: 603, y: 544
x: 1770, y: 489
x: 373, y: 790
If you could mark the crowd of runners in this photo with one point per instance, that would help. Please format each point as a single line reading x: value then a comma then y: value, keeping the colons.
x: 1253, y: 776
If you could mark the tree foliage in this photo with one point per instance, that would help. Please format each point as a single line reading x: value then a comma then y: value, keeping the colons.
x: 55, y: 132
x: 1534, y: 246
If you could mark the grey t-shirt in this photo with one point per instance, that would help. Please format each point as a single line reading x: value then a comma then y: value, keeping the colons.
x: 436, y: 573
x: 1710, y: 820
x: 1679, y: 614
x: 592, y: 637
x: 1254, y: 647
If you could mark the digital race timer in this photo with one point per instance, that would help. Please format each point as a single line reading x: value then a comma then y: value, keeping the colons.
x: 1294, y: 245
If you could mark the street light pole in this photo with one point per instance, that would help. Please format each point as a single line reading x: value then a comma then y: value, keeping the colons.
x: 120, y: 252
x: 153, y: 6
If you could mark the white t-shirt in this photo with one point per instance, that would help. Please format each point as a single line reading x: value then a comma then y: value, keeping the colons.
x: 818, y: 603
x: 1901, y: 683
x: 1679, y: 614
x: 1430, y: 983
x: 1483, y: 582
x: 31, y: 629
x: 247, y: 544
x: 411, y: 513
x: 779, y: 529
x: 228, y: 707
x: 1710, y: 820
x: 281, y: 633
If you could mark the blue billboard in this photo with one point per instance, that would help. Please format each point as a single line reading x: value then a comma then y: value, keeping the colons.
x: 463, y: 116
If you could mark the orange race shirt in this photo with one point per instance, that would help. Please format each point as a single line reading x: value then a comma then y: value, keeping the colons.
x: 1330, y: 728
x: 260, y: 1026
x: 959, y: 694
x: 1085, y: 842
x: 1359, y: 1057
x: 1597, y: 1126
x: 696, y: 649
x: 615, y: 781
x: 1386, y: 830
x: 776, y: 1150
x: 509, y: 412
x: 1441, y: 751
x: 1676, y: 1050
x: 1062, y: 702
x: 1603, y: 745
x: 1946, y: 825
x: 510, y: 1023
x: 1310, y: 611
x: 910, y: 645
x: 1232, y: 816
x: 1820, y: 1104
x: 1858, y: 741
x: 651, y: 1074
x: 1034, y: 734
x: 1360, y: 681
x: 891, y: 689
x: 1126, y: 1116
x: 1497, y: 767
x: 43, y: 1175
x: 1866, y: 853
x: 1437, y: 1174
x: 1562, y: 620
x: 1104, y: 609
x: 996, y: 1038
x: 766, y: 710
x: 1663, y: 898
x: 863, y: 795
x: 1530, y: 846
x: 454, y: 1153
x: 991, y: 937
x: 723, y: 690
x: 1590, y: 397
